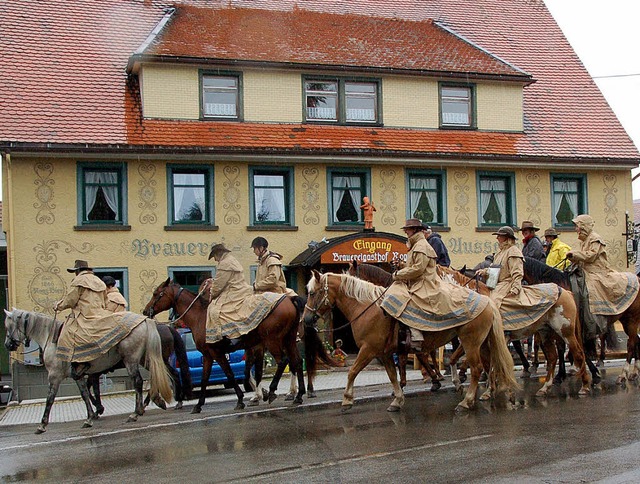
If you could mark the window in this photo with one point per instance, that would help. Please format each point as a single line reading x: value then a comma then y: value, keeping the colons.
x: 568, y: 198
x: 272, y: 196
x: 191, y: 277
x: 121, y: 275
x: 347, y: 190
x: 427, y: 196
x: 456, y: 106
x: 342, y: 101
x: 221, y: 96
x: 497, y: 204
x: 102, y: 190
x: 190, y: 194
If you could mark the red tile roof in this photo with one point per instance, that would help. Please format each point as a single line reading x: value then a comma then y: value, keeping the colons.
x: 64, y: 82
x: 311, y: 38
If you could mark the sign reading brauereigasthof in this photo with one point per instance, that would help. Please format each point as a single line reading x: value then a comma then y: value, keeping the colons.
x: 370, y: 249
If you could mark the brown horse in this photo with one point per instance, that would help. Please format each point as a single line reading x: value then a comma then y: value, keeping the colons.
x: 536, y: 272
x: 560, y: 319
x: 277, y: 333
x: 380, y: 277
x: 375, y: 334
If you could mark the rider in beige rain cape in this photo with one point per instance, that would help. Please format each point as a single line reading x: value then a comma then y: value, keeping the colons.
x: 234, y: 310
x: 418, y: 296
x: 90, y: 330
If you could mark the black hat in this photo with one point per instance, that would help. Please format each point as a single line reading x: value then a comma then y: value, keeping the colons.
x: 259, y: 242
x: 109, y: 281
x: 80, y: 265
x: 215, y: 248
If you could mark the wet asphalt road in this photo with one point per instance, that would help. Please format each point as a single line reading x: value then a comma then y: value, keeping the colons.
x: 563, y: 438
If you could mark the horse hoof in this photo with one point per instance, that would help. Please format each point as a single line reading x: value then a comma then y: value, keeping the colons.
x: 289, y: 397
x: 346, y: 408
x: 132, y: 418
x: 435, y: 386
x: 196, y: 410
x: 463, y: 378
x: 485, y: 396
x: 620, y: 380
x: 297, y: 401
x: 265, y: 395
x: 461, y: 408
x: 584, y: 391
x: 272, y: 397
x: 541, y: 393
x: 160, y: 403
x: 393, y: 408
x: 312, y: 394
x: 99, y: 411
x: 178, y: 406
x: 240, y: 406
x: 253, y: 403
x: 41, y: 430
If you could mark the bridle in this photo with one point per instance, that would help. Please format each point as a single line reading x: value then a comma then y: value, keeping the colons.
x: 174, y: 302
x: 324, y: 302
x: 24, y: 337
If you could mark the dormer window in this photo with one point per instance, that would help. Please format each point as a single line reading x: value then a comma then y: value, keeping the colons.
x: 221, y: 96
x: 457, y: 106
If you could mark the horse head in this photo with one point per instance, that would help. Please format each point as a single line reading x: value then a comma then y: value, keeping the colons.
x: 318, y: 303
x: 161, y: 299
x: 16, y: 323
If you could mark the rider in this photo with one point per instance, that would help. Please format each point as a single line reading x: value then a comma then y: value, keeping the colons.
x: 87, y: 300
x: 609, y: 292
x: 532, y: 245
x: 269, y: 276
x: 557, y: 256
x: 435, y: 240
x: 229, y: 290
x: 115, y: 301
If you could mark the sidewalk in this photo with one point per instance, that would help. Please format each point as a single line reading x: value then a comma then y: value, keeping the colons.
x: 69, y: 409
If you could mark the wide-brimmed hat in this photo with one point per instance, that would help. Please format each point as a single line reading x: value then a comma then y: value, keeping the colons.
x: 551, y: 232
x: 413, y: 223
x: 80, y: 265
x: 506, y: 231
x: 426, y: 227
x: 529, y: 225
x: 215, y: 248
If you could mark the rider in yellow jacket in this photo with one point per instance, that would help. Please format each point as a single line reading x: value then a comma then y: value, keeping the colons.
x: 557, y: 256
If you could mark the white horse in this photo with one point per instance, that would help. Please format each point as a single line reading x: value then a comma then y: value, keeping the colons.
x: 142, y: 344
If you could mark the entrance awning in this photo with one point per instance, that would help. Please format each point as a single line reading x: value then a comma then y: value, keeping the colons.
x: 370, y: 247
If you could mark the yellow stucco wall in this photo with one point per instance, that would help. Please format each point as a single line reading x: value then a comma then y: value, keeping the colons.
x: 276, y: 96
x: 41, y: 202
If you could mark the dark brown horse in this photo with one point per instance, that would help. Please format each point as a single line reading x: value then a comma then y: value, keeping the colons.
x: 172, y: 343
x: 380, y: 277
x: 536, y: 272
x: 277, y: 333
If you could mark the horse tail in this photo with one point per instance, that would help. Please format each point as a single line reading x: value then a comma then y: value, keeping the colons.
x: 159, y: 379
x: 181, y: 357
x: 501, y: 359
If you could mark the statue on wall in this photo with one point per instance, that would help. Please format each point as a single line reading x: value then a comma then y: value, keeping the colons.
x: 368, y: 208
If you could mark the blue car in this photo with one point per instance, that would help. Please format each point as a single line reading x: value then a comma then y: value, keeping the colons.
x: 217, y: 377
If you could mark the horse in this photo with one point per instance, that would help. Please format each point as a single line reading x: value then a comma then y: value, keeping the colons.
x: 536, y: 271
x: 561, y: 319
x: 277, y: 333
x: 141, y: 344
x: 171, y: 343
x: 375, y: 333
x: 380, y: 277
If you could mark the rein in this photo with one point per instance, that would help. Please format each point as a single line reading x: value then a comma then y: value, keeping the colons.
x: 190, y: 305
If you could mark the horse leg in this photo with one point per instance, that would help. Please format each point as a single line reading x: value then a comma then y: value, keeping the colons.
x: 434, y: 359
x: 207, y: 362
x: 177, y: 385
x: 296, y: 361
x: 475, y: 365
x: 133, y: 368
x: 536, y: 349
x: 580, y: 360
x: 561, y: 348
x: 603, y: 349
x: 423, y: 358
x: 222, y: 360
x: 631, y: 351
x: 398, y: 394
x: 550, y: 352
x: 517, y: 345
x: 364, y: 357
x: 453, y: 362
x: 402, y: 368
x: 54, y: 384
x: 273, y: 386
x: 93, y: 383
x: 485, y: 358
x: 84, y: 393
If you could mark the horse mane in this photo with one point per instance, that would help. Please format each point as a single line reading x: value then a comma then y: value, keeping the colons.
x: 539, y: 272
x: 39, y: 323
x: 456, y: 277
x: 359, y: 289
x: 371, y: 273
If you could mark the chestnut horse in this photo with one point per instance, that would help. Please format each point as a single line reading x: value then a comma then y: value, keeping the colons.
x: 375, y: 333
x: 380, y: 277
x: 560, y: 319
x: 535, y: 272
x: 277, y: 333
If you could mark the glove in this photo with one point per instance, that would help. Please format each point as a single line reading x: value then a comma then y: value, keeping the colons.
x: 482, y: 273
x: 569, y: 255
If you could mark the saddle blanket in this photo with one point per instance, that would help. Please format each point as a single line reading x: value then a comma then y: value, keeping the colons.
x: 250, y: 315
x: 79, y: 344
x: 539, y: 297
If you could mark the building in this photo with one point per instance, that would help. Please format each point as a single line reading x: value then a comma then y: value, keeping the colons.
x: 136, y: 133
